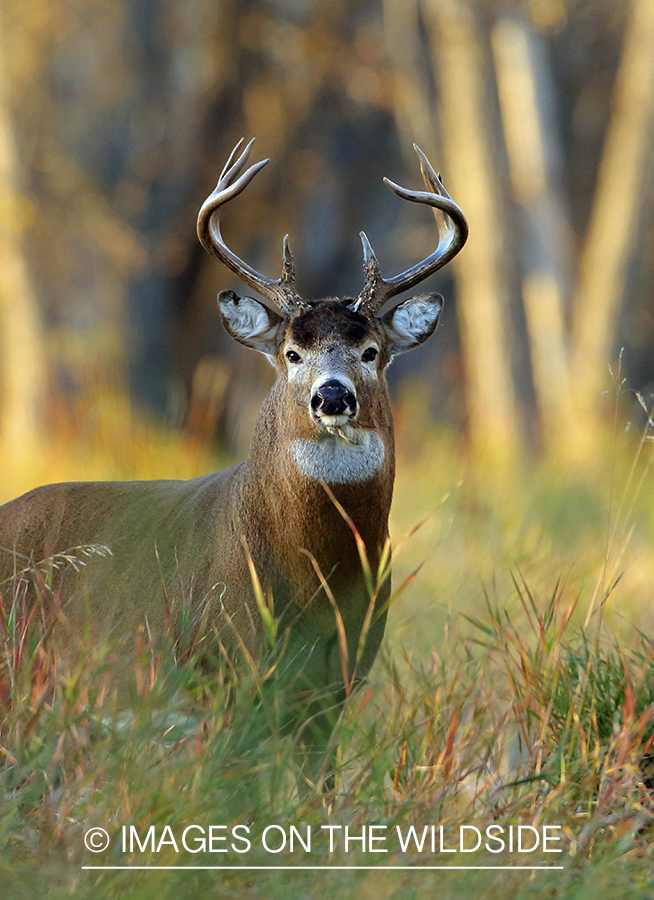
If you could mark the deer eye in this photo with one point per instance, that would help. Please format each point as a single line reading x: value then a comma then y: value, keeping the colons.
x: 370, y: 354
x: 293, y: 357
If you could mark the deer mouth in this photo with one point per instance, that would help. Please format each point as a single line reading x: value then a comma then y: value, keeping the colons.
x: 333, y: 421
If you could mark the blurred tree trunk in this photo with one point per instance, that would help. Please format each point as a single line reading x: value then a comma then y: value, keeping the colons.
x: 22, y: 359
x: 614, y: 216
x: 410, y: 88
x: 482, y: 291
x: 523, y: 91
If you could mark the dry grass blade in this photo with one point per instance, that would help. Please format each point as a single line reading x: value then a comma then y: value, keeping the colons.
x: 348, y: 679
x: 361, y: 547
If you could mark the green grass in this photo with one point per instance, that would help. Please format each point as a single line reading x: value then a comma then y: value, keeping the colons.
x: 516, y: 686
x: 542, y: 725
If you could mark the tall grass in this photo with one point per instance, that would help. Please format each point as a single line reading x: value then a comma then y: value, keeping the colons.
x: 496, y: 699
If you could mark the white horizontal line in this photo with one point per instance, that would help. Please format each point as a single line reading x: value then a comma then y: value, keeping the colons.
x: 315, y: 868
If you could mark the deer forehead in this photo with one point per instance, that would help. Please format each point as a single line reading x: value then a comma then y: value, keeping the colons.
x: 330, y: 323
x: 330, y: 340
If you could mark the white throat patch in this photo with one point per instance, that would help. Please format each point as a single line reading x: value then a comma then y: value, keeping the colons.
x: 338, y: 461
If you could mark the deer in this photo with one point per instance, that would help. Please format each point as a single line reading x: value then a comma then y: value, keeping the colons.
x: 297, y: 519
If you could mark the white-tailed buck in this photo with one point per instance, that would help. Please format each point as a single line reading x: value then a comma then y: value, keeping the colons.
x: 323, y: 439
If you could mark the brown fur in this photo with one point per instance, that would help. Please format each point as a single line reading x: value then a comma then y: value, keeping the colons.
x: 195, y: 532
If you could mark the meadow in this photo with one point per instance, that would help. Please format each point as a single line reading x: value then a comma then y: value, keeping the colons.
x: 515, y: 687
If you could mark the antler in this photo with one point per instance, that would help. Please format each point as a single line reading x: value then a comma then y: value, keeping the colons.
x: 281, y: 292
x: 452, y: 230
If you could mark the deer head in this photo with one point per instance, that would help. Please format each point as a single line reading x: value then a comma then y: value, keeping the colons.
x: 331, y: 354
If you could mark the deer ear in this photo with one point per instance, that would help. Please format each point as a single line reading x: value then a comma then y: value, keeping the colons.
x: 410, y: 323
x: 250, y: 322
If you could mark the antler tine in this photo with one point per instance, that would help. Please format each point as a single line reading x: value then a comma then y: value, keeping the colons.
x: 281, y: 292
x: 288, y: 263
x: 232, y: 156
x: 374, y: 281
x: 452, y: 235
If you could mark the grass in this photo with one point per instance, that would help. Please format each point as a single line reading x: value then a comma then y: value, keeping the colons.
x: 516, y: 686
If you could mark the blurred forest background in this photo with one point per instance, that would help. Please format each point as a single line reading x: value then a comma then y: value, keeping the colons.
x: 522, y: 424
x: 116, y: 117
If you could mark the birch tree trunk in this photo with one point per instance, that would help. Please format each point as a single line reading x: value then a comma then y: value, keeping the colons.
x: 521, y: 93
x: 614, y: 216
x: 22, y: 368
x: 410, y: 90
x: 482, y: 290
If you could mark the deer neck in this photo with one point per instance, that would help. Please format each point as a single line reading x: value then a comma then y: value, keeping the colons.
x: 287, y: 471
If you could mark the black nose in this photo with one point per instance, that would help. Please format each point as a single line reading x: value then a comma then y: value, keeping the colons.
x: 333, y: 399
